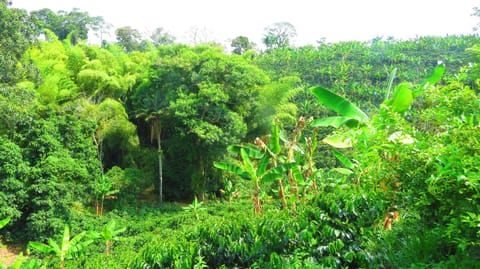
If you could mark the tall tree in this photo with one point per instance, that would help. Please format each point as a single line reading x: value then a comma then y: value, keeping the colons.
x: 75, y: 23
x: 476, y: 13
x: 162, y: 37
x: 150, y: 103
x: 128, y: 38
x: 279, y: 35
x: 16, y: 35
x: 241, y: 44
x: 198, y: 35
x: 202, y: 99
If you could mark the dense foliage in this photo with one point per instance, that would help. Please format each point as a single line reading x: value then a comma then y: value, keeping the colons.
x: 354, y: 154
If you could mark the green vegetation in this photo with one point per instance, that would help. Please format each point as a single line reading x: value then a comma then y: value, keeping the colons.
x: 150, y: 153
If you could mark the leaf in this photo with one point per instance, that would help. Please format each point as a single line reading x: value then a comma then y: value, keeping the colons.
x: 247, y: 164
x: 54, y: 246
x: 402, y: 98
x: 275, y: 138
x: 231, y: 168
x: 66, y: 239
x: 271, y: 176
x: 262, y: 165
x: 43, y: 248
x: 339, y: 104
x: 338, y: 141
x: 343, y: 171
x: 335, y: 122
x: 252, y: 150
x: 277, y: 172
x: 432, y: 79
x: 297, y: 174
x: 343, y: 159
x: 77, y: 238
x: 4, y: 222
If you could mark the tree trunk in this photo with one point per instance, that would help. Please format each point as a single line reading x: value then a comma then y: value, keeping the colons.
x: 101, y: 205
x: 256, y: 199
x: 281, y: 193
x: 160, y: 155
x: 108, y: 245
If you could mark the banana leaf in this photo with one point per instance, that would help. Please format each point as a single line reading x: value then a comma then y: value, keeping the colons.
x: 232, y: 168
x: 343, y: 159
x: 339, y: 104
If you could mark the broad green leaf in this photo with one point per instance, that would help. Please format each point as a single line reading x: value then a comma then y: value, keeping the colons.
x: 252, y: 150
x: 270, y: 176
x: 231, y: 168
x: 317, y: 173
x: 43, y: 248
x: 54, y: 246
x: 77, y: 238
x: 339, y: 104
x: 333, y: 121
x: 76, y: 250
x: 402, y: 98
x: 432, y: 79
x: 297, y: 174
x: 262, y: 165
x: 343, y: 159
x: 338, y: 141
x: 436, y: 75
x: 4, y: 222
x: 66, y: 239
x: 247, y: 164
x: 343, y: 171
x: 275, y: 138
x: 277, y: 172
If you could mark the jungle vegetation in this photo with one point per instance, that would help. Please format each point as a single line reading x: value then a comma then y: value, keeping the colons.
x: 147, y: 153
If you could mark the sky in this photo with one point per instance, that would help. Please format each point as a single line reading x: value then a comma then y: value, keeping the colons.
x: 331, y: 20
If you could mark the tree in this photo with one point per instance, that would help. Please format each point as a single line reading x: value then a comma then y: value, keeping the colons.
x: 13, y: 194
x: 476, y: 13
x: 197, y: 35
x: 150, y: 104
x: 241, y: 44
x: 67, y: 249
x: 16, y: 36
x: 275, y: 101
x: 162, y: 37
x: 128, y: 38
x: 279, y: 35
x: 109, y: 234
x: 75, y: 23
x: 201, y: 100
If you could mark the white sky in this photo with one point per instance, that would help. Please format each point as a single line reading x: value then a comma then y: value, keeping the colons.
x: 335, y: 20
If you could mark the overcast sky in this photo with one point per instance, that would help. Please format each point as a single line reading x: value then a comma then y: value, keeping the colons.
x: 334, y: 20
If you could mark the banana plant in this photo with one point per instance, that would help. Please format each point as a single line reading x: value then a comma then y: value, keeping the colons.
x: 67, y: 249
x: 255, y: 167
x: 194, y: 207
x: 102, y: 189
x: 108, y: 235
x: 351, y: 116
